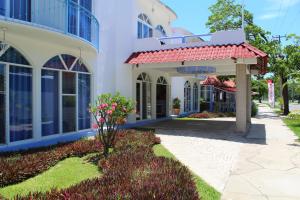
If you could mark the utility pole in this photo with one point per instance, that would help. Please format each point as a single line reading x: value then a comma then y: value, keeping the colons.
x: 243, y: 15
x: 278, y: 38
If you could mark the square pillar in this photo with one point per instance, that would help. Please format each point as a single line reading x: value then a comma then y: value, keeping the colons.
x: 249, y: 99
x: 242, y: 108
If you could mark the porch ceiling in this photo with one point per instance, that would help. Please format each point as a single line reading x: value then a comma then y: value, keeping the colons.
x: 223, y: 58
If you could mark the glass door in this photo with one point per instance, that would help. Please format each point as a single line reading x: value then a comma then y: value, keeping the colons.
x: 138, y: 100
x: 2, y: 105
x: 161, y: 101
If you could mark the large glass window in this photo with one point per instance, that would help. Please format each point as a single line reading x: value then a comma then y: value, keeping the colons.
x: 85, y: 19
x: 19, y: 79
x: 84, y: 99
x: 145, y: 29
x: 20, y: 9
x: 2, y: 7
x: 79, y: 16
x: 161, y: 97
x: 187, y: 96
x: 161, y: 31
x: 20, y: 101
x: 2, y: 104
x: 50, y: 102
x: 143, y: 97
x: 75, y: 93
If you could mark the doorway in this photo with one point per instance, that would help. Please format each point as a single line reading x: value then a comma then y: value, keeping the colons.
x: 161, y: 98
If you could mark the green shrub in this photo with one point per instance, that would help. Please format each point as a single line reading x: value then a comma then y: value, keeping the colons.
x: 254, y: 109
x: 294, y: 116
x: 17, y: 167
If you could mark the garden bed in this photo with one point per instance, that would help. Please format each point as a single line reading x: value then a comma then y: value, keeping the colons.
x: 208, y: 115
x: 132, y: 171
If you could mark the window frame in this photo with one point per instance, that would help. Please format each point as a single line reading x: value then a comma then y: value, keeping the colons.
x: 61, y: 95
x: 145, y: 23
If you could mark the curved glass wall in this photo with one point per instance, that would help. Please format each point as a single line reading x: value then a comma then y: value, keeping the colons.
x: 67, y: 16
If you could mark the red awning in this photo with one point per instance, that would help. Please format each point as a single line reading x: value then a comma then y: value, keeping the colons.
x: 243, y: 50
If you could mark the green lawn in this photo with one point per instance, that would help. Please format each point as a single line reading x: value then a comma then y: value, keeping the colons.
x: 294, y: 125
x: 206, y: 192
x: 63, y: 175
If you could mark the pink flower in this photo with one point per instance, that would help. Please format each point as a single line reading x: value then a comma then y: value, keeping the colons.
x: 95, y: 126
x: 101, y: 120
x: 114, y: 104
x: 113, y: 108
x: 109, y: 112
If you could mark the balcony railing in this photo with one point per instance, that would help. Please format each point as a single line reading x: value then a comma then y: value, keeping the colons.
x: 64, y: 16
x: 185, y: 39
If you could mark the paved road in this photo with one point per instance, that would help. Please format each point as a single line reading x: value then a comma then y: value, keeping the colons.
x: 264, y: 165
x: 294, y: 106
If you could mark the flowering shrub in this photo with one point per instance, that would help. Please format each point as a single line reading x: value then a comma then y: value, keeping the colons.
x: 206, y: 115
x: 23, y: 165
x: 109, y: 113
x: 200, y: 115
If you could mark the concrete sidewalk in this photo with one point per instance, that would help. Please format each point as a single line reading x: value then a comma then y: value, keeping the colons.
x: 270, y: 171
x: 263, y: 165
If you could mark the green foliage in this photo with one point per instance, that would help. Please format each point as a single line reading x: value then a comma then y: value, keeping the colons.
x: 254, y: 109
x: 78, y: 169
x: 294, y: 116
x: 260, y: 86
x: 176, y: 103
x: 132, y: 174
x: 205, y: 191
x: 294, y: 125
x: 227, y: 15
x: 17, y: 167
x: 110, y: 111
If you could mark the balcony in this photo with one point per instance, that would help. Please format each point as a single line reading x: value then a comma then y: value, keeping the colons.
x: 63, y: 16
x: 217, y: 38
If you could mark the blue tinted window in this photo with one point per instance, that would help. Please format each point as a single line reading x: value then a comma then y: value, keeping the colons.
x: 69, y: 113
x: 50, y: 102
x: 20, y: 9
x: 73, y: 17
x: 2, y: 7
x: 68, y: 59
x: 80, y: 67
x: 2, y: 105
x: 55, y: 63
x: 13, y: 56
x: 87, y: 4
x: 85, y: 24
x: 84, y: 99
x: 140, y: 30
x: 20, y: 103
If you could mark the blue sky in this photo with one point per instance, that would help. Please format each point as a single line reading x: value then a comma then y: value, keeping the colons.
x: 277, y: 16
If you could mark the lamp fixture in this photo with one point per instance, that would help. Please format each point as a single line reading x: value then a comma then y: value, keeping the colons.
x: 80, y: 62
x: 3, y: 44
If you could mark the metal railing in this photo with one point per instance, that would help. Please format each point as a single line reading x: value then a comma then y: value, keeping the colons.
x: 185, y: 39
x: 63, y: 16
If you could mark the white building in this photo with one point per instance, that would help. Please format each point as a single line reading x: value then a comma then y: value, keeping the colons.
x: 56, y: 56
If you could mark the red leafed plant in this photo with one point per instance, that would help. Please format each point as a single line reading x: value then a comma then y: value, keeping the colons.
x: 109, y: 113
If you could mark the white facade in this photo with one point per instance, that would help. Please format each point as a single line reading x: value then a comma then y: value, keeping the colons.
x: 53, y: 29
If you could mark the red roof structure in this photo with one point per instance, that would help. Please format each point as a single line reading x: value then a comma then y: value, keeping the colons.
x: 228, y: 86
x: 215, y: 52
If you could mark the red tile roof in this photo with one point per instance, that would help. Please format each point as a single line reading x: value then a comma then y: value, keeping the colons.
x: 228, y: 86
x: 243, y: 50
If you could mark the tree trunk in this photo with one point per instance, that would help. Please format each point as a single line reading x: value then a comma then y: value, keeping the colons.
x: 105, y: 151
x: 285, y: 96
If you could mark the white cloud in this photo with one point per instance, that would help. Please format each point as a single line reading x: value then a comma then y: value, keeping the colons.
x: 269, y: 16
x: 277, y: 8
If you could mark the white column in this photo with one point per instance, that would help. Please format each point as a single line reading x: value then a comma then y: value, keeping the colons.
x: 241, y: 98
x: 249, y: 86
x: 153, y: 99
x: 37, y: 107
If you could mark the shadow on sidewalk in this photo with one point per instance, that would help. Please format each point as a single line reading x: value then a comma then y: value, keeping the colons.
x: 209, y: 129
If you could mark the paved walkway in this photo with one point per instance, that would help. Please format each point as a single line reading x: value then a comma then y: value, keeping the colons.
x: 264, y: 165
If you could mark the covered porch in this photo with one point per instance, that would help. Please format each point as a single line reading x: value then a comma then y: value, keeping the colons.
x: 218, y: 58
